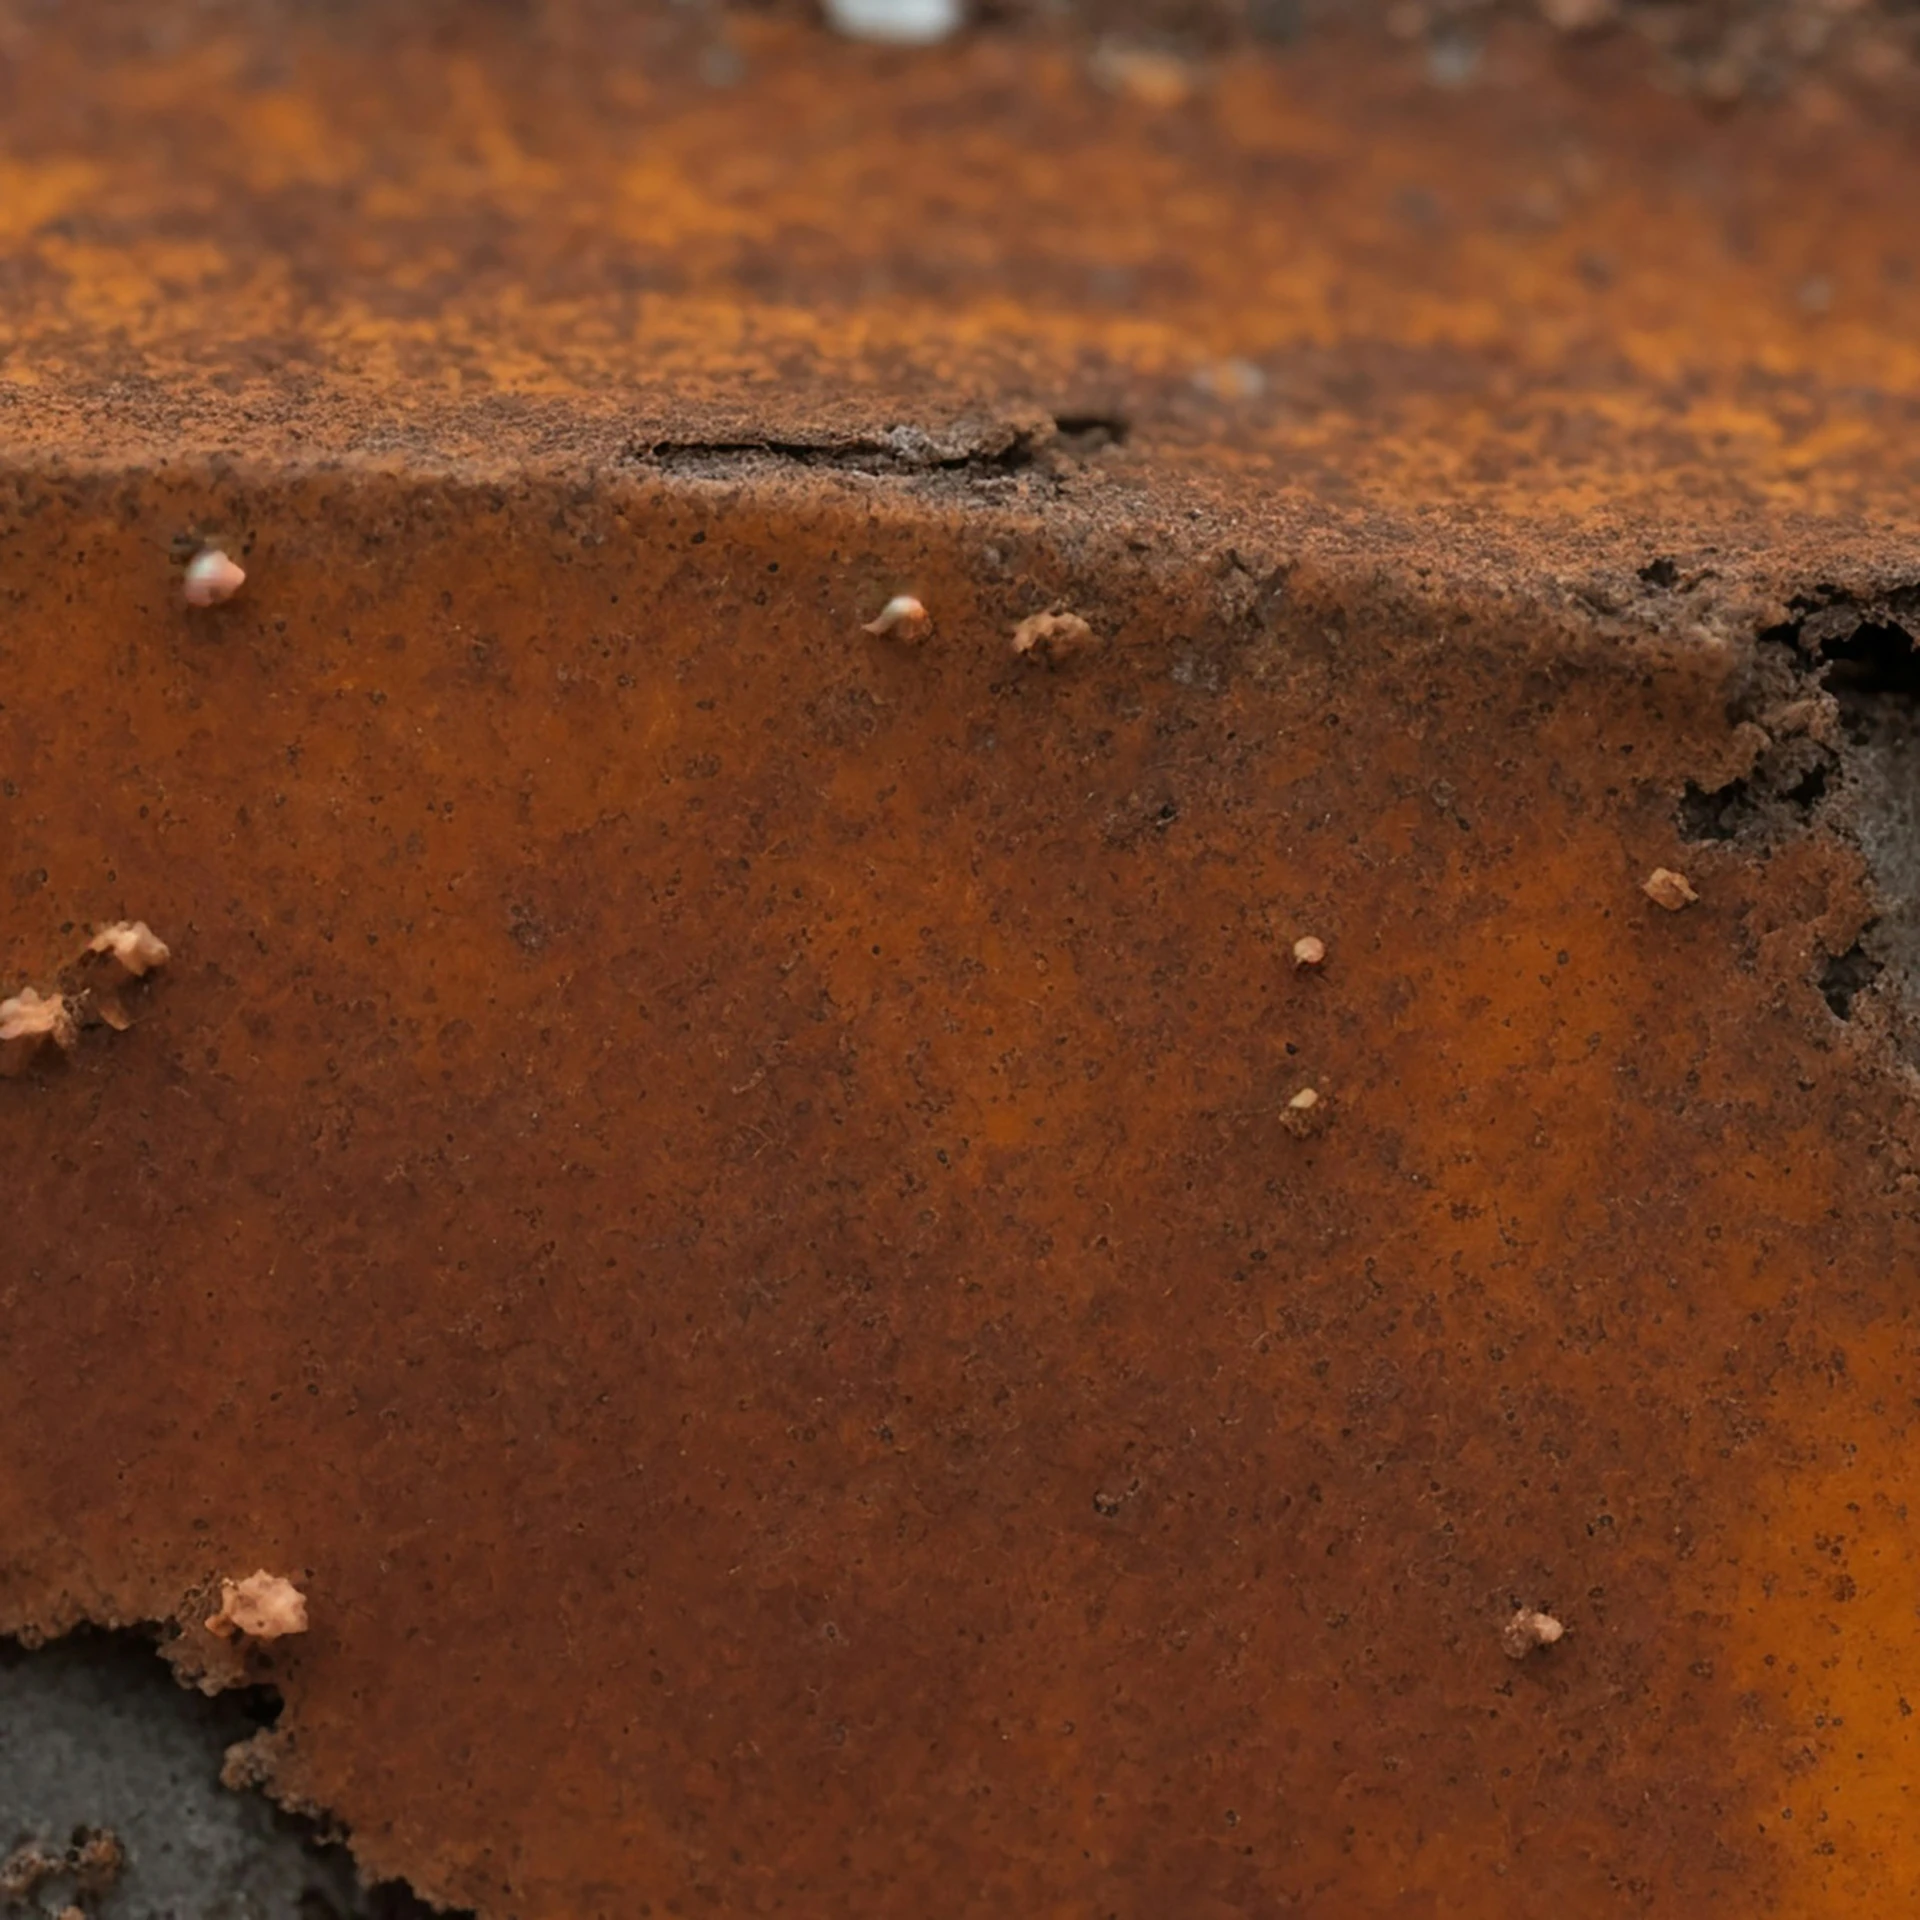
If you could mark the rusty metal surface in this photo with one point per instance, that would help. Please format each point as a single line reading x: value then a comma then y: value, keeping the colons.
x: 718, y: 1188
x: 1535, y: 322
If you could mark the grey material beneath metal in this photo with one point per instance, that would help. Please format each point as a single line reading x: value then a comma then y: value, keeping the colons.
x: 95, y: 1734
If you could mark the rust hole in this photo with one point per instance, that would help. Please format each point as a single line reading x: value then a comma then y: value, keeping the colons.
x: 1845, y: 975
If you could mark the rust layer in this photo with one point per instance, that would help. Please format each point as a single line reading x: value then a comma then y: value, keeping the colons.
x: 719, y: 1190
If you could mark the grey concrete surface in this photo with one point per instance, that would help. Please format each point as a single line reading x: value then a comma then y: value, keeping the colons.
x: 94, y: 1733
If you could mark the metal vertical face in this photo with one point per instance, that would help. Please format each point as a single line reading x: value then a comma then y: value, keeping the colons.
x: 723, y: 1181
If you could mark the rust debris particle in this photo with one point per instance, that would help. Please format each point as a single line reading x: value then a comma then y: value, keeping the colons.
x: 134, y: 944
x: 1146, y: 75
x: 1232, y: 379
x: 1052, y: 636
x: 211, y: 578
x: 1668, y: 889
x: 263, y: 1606
x: 24, y: 1868
x: 93, y: 1858
x: 1527, y: 1630
x: 903, y: 617
x: 249, y: 1763
x: 32, y: 1016
x: 1309, y: 951
x: 96, y: 1858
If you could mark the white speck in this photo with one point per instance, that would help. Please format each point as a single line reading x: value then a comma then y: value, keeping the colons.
x: 898, y: 23
x: 212, y: 578
x: 903, y: 615
x: 1308, y: 951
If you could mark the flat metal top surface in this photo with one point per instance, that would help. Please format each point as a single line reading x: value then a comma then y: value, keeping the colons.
x: 1549, y: 326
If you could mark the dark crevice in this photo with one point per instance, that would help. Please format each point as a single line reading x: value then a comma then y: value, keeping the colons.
x: 997, y: 451
x: 1809, y: 790
x: 260, y: 1704
x: 1790, y: 779
x: 1861, y: 660
x: 384, y: 1900
x: 1661, y: 573
x: 1873, y: 665
x: 1081, y: 434
x: 1835, y: 689
x: 97, y: 1737
x: 1846, y: 974
x: 1717, y: 814
x: 1872, y: 673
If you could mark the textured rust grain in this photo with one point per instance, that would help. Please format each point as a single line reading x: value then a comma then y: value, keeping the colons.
x: 716, y: 1189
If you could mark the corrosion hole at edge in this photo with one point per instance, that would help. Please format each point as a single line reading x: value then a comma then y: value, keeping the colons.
x: 1846, y: 974
x: 96, y: 1735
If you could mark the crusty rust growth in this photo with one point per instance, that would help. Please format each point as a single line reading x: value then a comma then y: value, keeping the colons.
x: 96, y: 1859
x: 93, y: 1860
x: 25, y: 1868
x: 263, y: 1606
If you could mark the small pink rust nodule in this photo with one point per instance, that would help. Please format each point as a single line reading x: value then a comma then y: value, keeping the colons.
x: 1668, y: 889
x: 212, y: 578
x: 263, y: 1606
x: 134, y: 944
x: 903, y: 618
x: 1052, y: 636
x: 33, y: 1016
x: 1529, y: 1628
